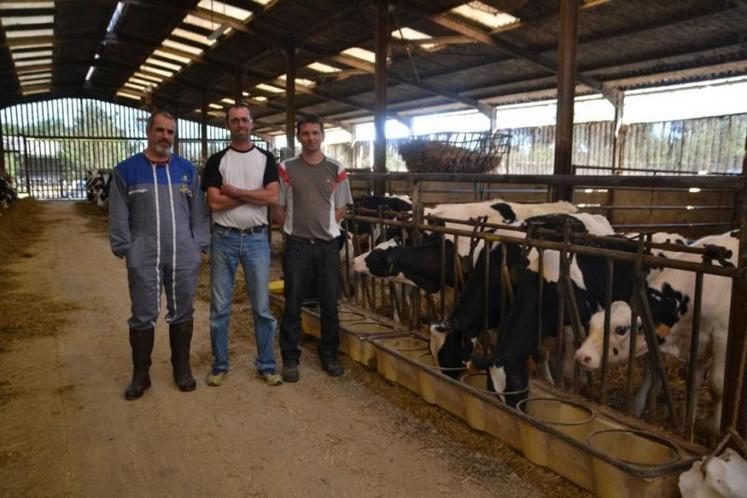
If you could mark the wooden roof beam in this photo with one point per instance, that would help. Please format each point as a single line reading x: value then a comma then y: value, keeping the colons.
x: 510, y: 49
x: 369, y: 68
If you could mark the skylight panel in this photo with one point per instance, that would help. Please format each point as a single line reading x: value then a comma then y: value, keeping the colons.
x: 484, y: 14
x: 31, y: 55
x: 260, y: 98
x: 33, y: 70
x: 32, y: 91
x: 28, y: 33
x: 202, y: 23
x: 323, y: 68
x: 128, y: 95
x: 9, y: 21
x: 30, y: 45
x: 26, y: 5
x: 195, y: 37
x: 173, y: 57
x: 228, y: 101
x: 28, y: 84
x: 33, y: 76
x: 225, y: 9
x: 360, y: 53
x: 35, y: 62
x: 141, y: 82
x: 148, y: 77
x: 158, y: 62
x: 299, y: 81
x: 410, y: 34
x: 151, y: 69
x: 139, y: 88
x: 269, y: 88
x: 215, y: 106
x: 182, y: 46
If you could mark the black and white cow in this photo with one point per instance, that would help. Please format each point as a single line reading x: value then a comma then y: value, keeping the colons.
x: 419, y: 265
x: 451, y: 342
x: 520, y: 339
x: 670, y: 295
x: 363, y: 230
x: 97, y: 187
x: 496, y: 211
x: 8, y: 194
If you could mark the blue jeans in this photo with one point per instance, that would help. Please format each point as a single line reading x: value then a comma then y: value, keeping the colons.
x: 227, y: 250
x: 305, y: 262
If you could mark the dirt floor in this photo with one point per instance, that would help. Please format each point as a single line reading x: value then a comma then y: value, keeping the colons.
x: 67, y: 431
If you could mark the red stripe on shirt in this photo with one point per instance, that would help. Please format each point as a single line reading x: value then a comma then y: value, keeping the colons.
x: 342, y: 177
x: 284, y: 174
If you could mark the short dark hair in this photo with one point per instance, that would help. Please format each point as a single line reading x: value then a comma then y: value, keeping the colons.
x: 239, y: 105
x: 152, y: 117
x: 309, y: 118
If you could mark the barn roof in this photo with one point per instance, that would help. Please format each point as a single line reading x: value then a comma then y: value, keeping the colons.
x: 445, y: 54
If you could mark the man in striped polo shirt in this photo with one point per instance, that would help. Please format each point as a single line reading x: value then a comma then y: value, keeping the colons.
x: 241, y: 181
x: 314, y: 193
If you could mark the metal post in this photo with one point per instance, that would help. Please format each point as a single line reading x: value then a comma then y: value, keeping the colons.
x: 616, y: 149
x: 380, y: 82
x: 238, y: 85
x: 176, y: 135
x: 734, y: 412
x: 2, y: 151
x: 566, y: 92
x: 203, y: 122
x: 290, y: 99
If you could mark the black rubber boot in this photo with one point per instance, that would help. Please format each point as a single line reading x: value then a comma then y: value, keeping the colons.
x: 141, y: 342
x: 180, y: 337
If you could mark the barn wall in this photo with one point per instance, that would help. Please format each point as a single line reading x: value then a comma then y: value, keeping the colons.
x: 714, y: 144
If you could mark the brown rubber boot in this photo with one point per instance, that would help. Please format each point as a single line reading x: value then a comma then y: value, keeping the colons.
x: 141, y: 343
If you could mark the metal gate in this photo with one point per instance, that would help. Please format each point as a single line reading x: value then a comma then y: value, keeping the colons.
x: 49, y: 146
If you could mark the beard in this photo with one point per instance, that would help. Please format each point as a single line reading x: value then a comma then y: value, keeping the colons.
x: 161, y: 149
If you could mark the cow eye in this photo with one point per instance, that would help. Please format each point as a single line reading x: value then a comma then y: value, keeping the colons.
x: 621, y: 330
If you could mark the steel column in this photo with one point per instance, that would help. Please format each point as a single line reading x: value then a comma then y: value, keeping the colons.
x: 734, y: 412
x: 290, y: 97
x: 567, y: 45
x: 203, y: 129
x: 380, y: 83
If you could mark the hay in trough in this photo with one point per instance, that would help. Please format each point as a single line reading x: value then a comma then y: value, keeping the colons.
x: 467, y: 153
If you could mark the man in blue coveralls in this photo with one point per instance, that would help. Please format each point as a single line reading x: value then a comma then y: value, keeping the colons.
x: 158, y: 222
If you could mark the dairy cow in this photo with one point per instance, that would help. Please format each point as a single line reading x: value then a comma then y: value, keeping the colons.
x: 451, y: 342
x: 508, y: 372
x: 670, y: 295
x: 8, y: 194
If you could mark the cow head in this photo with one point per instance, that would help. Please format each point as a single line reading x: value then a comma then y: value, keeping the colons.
x: 589, y: 355
x: 375, y: 262
x: 667, y: 307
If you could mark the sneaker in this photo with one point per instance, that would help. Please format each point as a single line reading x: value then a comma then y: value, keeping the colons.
x: 271, y: 377
x: 290, y: 373
x: 333, y: 367
x: 216, y: 377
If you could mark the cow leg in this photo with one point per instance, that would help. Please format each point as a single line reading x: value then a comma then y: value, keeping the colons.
x: 639, y: 400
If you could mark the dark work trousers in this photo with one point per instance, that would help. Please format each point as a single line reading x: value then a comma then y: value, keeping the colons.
x: 305, y: 260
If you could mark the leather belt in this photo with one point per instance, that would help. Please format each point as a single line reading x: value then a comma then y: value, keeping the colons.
x: 242, y: 231
x: 309, y: 240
